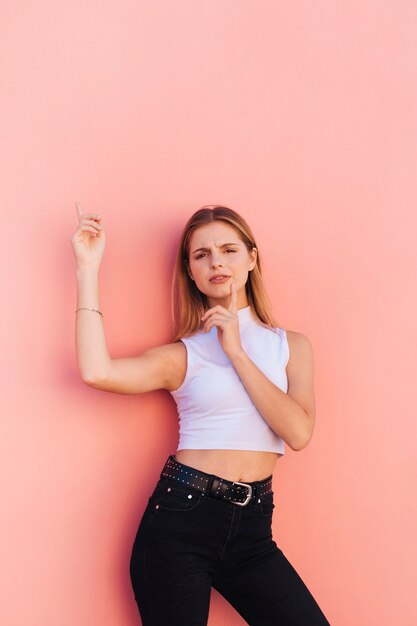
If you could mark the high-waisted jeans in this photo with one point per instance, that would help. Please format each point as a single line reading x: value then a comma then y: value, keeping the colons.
x: 188, y: 542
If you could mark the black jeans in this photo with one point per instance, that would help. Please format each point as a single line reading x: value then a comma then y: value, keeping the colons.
x: 188, y: 542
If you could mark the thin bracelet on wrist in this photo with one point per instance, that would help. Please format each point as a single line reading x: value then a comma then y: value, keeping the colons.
x: 84, y: 308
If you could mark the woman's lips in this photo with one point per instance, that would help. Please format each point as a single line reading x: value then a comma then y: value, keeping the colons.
x: 221, y: 279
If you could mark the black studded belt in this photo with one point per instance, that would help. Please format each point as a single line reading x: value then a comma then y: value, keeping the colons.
x: 214, y: 486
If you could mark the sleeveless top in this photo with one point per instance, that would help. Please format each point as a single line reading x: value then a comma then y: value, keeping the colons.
x: 215, y: 411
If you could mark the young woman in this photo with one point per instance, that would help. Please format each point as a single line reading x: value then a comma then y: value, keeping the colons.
x: 243, y: 387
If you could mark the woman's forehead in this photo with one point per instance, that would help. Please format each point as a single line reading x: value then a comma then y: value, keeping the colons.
x: 215, y: 233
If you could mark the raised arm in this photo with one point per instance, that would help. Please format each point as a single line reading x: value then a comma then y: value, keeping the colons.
x: 159, y: 367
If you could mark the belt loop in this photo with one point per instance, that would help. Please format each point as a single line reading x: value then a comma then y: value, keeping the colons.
x: 210, y: 483
x: 213, y: 483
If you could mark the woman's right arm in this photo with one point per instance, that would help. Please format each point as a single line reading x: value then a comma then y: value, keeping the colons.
x: 156, y: 368
x: 91, y: 346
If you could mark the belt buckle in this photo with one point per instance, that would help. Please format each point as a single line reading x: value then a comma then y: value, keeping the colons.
x: 248, y: 497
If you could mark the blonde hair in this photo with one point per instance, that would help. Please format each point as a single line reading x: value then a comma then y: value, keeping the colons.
x: 188, y: 303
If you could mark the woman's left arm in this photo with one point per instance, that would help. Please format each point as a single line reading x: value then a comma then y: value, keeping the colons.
x: 291, y: 415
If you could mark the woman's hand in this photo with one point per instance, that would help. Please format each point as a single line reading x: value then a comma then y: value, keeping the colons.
x: 227, y: 323
x: 88, y: 241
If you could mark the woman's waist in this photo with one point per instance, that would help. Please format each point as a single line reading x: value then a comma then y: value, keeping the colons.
x: 235, y: 465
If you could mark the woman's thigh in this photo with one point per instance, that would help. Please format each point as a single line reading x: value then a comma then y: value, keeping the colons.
x: 269, y: 593
x: 169, y: 566
x: 259, y: 581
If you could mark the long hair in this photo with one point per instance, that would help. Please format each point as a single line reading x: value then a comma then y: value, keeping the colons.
x: 188, y: 303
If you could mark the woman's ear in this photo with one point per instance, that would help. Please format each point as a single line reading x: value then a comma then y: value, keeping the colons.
x: 254, y: 256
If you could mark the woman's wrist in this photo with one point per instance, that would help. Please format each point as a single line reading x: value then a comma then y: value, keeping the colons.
x: 87, y: 270
x: 88, y: 297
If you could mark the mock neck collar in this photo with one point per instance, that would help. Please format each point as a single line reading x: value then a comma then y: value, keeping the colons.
x: 244, y: 314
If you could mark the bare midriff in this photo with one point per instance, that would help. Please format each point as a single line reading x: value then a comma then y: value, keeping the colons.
x: 236, y: 465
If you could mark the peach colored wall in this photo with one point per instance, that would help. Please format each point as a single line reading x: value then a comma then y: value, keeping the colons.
x: 301, y: 116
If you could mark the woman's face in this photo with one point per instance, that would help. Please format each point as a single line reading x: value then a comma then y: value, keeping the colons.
x: 216, y: 248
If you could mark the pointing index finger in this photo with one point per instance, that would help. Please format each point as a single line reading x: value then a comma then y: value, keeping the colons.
x: 79, y: 209
x: 81, y: 213
x: 233, y: 300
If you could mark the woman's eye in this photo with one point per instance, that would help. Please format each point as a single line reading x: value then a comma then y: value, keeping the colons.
x: 203, y: 253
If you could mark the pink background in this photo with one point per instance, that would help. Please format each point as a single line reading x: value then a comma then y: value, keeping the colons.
x: 302, y: 117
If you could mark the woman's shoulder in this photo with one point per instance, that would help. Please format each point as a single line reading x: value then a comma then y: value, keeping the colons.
x: 295, y: 337
x: 299, y: 344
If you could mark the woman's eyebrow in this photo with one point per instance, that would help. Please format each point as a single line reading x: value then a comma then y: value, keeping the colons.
x: 222, y: 246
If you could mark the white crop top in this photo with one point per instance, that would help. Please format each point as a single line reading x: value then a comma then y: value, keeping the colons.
x: 215, y: 411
